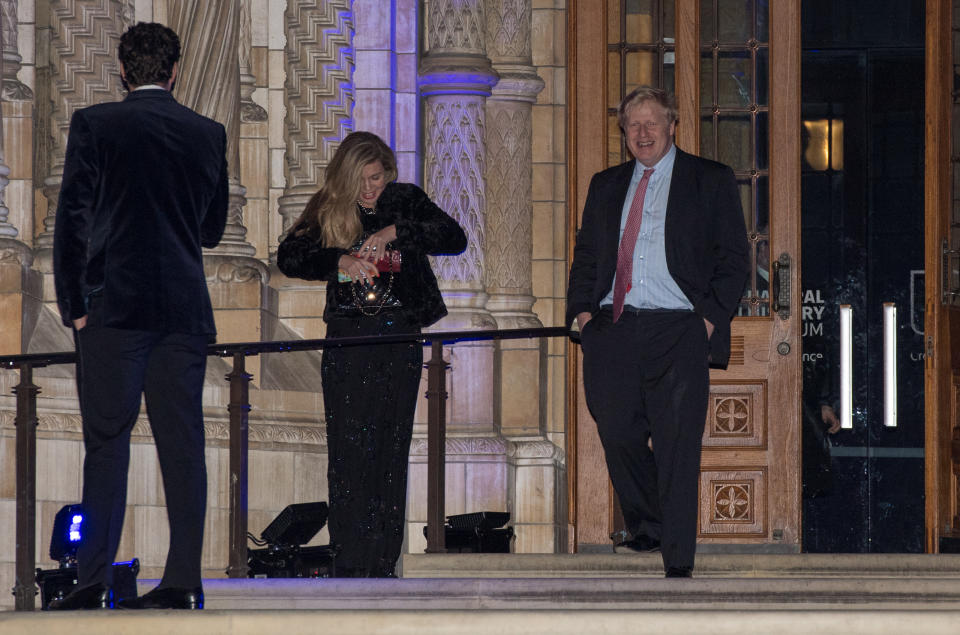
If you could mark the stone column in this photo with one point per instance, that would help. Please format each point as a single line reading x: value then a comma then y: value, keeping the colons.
x: 319, y: 100
x: 508, y: 250
x: 84, y: 35
x: 15, y: 257
x: 13, y: 88
x: 209, y: 83
x: 250, y: 112
x: 319, y: 95
x: 455, y: 80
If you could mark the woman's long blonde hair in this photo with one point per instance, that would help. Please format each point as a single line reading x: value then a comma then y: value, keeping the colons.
x: 331, y: 214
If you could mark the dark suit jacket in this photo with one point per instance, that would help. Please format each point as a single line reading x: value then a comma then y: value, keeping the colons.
x: 705, y: 241
x: 144, y: 186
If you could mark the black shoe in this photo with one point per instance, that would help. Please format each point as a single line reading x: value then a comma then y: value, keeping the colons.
x: 166, y: 598
x: 638, y: 544
x: 92, y: 596
x: 679, y: 572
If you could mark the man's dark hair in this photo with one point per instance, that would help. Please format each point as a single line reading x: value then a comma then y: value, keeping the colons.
x: 148, y: 52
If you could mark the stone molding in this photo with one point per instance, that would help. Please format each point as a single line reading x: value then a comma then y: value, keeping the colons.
x: 319, y: 95
x: 14, y: 251
x: 214, y: 428
x: 230, y: 269
x: 494, y: 446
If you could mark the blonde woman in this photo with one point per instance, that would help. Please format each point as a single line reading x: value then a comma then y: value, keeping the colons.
x: 369, y: 237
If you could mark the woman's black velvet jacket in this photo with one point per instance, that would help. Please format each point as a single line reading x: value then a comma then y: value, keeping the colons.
x: 422, y: 229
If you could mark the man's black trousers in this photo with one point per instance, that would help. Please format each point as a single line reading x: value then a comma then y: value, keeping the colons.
x: 646, y: 377
x: 115, y: 367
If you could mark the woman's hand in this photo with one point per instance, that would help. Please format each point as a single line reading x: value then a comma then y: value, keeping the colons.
x: 373, y: 247
x: 359, y: 269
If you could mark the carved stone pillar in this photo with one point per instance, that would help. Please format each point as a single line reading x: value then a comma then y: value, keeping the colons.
x: 319, y: 91
x: 13, y: 88
x: 455, y: 80
x: 509, y: 248
x: 508, y: 253
x: 84, y: 35
x: 249, y: 110
x: 19, y: 285
x: 209, y: 83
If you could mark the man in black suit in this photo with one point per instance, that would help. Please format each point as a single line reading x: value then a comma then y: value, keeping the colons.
x: 658, y: 269
x: 144, y: 187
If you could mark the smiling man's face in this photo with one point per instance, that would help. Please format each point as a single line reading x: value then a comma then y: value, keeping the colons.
x: 649, y: 132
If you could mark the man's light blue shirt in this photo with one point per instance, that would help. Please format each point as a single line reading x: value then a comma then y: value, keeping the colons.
x: 653, y: 286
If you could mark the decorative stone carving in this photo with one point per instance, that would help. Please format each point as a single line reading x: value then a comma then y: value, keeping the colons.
x: 536, y: 449
x: 84, y: 35
x: 463, y: 446
x: 455, y: 165
x: 6, y: 229
x: 250, y: 111
x: 319, y: 92
x: 209, y: 83
x: 456, y: 25
x: 14, y: 251
x: 13, y: 88
x: 455, y: 78
x: 508, y: 27
x: 214, y: 428
x: 220, y: 268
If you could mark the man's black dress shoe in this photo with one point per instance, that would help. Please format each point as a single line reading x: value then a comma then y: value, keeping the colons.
x: 92, y: 596
x: 166, y: 598
x: 638, y: 544
x: 679, y: 572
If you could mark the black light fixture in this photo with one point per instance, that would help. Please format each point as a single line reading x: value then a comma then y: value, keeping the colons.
x: 477, y: 532
x: 66, y: 538
x: 285, y: 556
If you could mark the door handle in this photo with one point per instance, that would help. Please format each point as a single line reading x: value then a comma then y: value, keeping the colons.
x: 846, y: 366
x: 780, y: 283
x: 890, y: 364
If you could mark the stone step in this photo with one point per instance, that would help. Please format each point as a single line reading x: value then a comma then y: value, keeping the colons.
x: 707, y: 565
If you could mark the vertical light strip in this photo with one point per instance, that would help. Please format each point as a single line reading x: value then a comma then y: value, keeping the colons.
x: 846, y: 366
x: 890, y: 364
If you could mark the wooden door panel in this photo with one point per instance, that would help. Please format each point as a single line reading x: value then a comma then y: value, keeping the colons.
x: 750, y: 473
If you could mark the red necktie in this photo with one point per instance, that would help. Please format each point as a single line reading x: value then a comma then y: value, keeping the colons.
x: 623, y: 281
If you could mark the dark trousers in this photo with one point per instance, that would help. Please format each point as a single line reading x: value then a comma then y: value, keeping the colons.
x: 115, y: 367
x: 646, y: 377
x: 370, y: 395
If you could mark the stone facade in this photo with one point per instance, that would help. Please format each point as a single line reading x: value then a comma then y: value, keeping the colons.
x: 470, y: 94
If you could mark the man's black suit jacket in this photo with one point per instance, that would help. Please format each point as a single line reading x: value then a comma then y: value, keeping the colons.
x: 144, y: 186
x: 705, y: 241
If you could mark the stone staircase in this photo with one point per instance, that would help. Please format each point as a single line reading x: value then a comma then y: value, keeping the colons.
x: 558, y: 594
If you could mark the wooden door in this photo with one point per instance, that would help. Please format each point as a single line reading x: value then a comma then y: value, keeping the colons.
x: 942, y: 319
x: 736, y: 73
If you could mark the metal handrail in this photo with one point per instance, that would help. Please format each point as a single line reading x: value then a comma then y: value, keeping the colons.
x: 239, y: 409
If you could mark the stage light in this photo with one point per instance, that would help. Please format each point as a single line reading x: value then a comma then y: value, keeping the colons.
x: 477, y: 532
x: 65, y: 539
x: 285, y: 556
x: 67, y: 533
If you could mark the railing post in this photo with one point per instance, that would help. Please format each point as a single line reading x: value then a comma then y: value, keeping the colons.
x: 239, y: 410
x: 436, y: 447
x: 26, y: 422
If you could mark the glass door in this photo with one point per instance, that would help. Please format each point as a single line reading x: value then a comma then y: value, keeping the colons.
x: 863, y: 260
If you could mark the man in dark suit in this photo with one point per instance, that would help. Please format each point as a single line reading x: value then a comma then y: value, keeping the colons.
x: 658, y: 269
x: 144, y: 187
